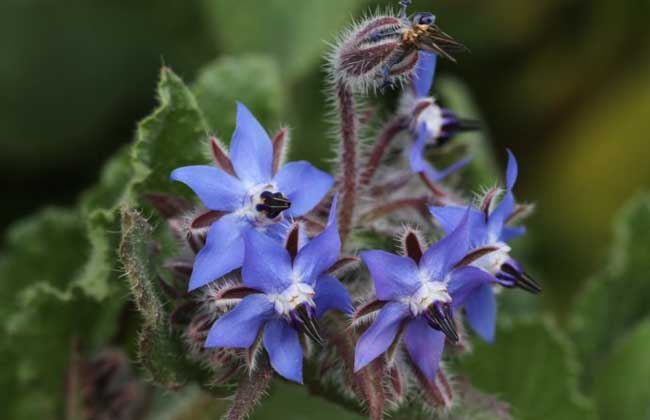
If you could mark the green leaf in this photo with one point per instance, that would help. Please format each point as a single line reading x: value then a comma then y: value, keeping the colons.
x: 530, y: 366
x: 617, y: 298
x: 291, y: 31
x: 483, y: 170
x: 99, y: 278
x: 173, y: 135
x: 252, y: 80
x: 622, y: 384
x: 42, y: 310
x: 159, y: 349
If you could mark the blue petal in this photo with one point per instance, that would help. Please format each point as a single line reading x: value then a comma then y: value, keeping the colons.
x: 321, y: 252
x: 509, y: 233
x: 425, y: 346
x: 216, y: 189
x: 267, y: 264
x: 444, y: 254
x: 223, y: 251
x: 416, y: 158
x: 283, y: 346
x: 499, y: 215
x: 418, y: 164
x: 331, y: 294
x: 511, y: 172
x: 449, y: 217
x: 482, y: 311
x: 424, y: 73
x: 277, y: 231
x: 465, y: 281
x: 304, y: 185
x: 394, y: 276
x: 251, y: 151
x: 507, y: 206
x: 239, y: 327
x: 380, y: 335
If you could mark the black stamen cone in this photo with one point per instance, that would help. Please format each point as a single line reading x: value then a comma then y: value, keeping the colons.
x: 274, y: 204
x: 522, y: 279
x: 441, y: 318
x: 307, y: 323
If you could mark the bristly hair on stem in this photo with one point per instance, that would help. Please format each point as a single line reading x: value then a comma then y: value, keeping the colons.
x: 349, y: 151
x: 384, y: 139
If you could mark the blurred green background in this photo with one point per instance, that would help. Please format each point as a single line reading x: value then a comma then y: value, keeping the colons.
x: 564, y: 83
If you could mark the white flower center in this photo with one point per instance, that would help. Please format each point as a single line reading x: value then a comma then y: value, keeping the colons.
x: 493, y: 261
x: 428, y: 293
x: 293, y: 296
x: 431, y: 117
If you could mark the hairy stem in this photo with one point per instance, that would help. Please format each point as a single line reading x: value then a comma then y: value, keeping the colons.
x: 367, y: 383
x: 348, y: 134
x: 386, y: 136
x: 250, y: 391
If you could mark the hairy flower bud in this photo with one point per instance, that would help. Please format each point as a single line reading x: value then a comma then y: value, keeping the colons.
x: 383, y: 50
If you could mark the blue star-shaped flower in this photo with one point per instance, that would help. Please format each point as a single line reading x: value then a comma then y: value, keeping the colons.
x: 419, y: 296
x: 292, y: 292
x: 489, y: 230
x: 431, y: 124
x: 254, y: 199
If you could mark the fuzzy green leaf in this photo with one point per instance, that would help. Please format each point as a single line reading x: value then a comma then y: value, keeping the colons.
x: 42, y: 310
x: 530, y: 367
x: 173, y: 135
x: 159, y: 349
x: 100, y: 209
x: 619, y: 297
x: 622, y: 381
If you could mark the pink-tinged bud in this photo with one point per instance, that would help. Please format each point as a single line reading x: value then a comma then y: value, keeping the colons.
x: 370, y: 52
x: 383, y: 50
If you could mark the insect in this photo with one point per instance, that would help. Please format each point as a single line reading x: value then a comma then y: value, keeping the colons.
x: 387, y: 46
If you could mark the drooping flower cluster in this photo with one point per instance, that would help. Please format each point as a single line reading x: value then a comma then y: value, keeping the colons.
x: 265, y: 275
x: 430, y: 124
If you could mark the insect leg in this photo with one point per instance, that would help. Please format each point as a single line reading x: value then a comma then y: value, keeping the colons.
x: 404, y: 4
x: 397, y: 57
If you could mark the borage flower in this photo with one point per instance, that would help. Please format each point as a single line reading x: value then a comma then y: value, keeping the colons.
x: 290, y: 290
x: 489, y: 231
x: 253, y: 197
x: 419, y: 293
x: 430, y: 124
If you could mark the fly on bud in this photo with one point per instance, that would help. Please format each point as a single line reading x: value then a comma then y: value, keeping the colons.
x: 380, y: 50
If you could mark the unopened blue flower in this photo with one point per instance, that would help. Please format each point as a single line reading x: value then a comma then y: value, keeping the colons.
x: 293, y: 293
x: 431, y: 124
x: 254, y: 199
x: 420, y: 296
x: 489, y: 229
